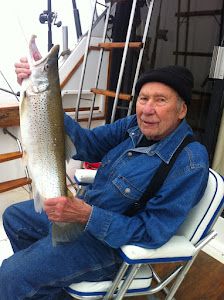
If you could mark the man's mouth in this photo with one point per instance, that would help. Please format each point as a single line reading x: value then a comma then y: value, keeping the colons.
x: 150, y: 123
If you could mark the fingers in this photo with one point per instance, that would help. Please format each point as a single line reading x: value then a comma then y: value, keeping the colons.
x: 54, y: 204
x: 22, y: 64
x: 65, y: 209
x: 21, y: 76
x: 54, y: 208
x: 24, y: 60
x: 22, y: 69
x: 51, y: 203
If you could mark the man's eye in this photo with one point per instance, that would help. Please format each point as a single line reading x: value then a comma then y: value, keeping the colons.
x: 161, y: 100
x: 142, y: 98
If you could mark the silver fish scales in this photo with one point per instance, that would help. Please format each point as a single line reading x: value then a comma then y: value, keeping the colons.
x: 43, y: 136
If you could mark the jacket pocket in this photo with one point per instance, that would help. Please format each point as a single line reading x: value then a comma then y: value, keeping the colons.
x: 126, y: 188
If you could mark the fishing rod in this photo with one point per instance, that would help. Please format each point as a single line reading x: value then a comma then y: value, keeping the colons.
x: 47, y: 16
x: 11, y: 91
x: 77, y: 20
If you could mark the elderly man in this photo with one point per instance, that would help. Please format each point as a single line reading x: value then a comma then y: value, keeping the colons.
x: 131, y: 151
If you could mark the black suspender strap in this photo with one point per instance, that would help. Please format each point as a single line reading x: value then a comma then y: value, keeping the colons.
x: 158, y: 179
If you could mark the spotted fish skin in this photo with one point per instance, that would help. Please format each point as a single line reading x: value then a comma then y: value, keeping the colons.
x: 43, y: 136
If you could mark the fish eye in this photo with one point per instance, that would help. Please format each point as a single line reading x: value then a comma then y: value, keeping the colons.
x: 46, y: 67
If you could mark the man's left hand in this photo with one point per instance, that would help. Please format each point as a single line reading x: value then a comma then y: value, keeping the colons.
x: 65, y: 209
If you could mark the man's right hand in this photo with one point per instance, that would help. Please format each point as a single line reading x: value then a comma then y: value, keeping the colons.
x: 22, y: 69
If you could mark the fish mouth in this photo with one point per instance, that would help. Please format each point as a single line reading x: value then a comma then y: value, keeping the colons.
x: 35, y: 55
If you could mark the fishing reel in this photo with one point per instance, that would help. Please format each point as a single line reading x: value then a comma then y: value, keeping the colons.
x: 46, y: 17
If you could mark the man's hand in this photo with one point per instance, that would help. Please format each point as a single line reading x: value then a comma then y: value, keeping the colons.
x: 65, y: 209
x: 22, y: 69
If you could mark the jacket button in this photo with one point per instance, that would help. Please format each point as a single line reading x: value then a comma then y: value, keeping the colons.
x: 129, y: 153
x: 127, y: 190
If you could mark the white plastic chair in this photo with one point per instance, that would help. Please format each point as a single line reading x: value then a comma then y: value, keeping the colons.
x: 136, y: 273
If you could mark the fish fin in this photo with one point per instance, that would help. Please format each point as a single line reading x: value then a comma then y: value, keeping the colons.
x: 33, y: 192
x: 38, y: 199
x: 65, y: 232
x: 25, y: 158
x: 70, y: 149
x: 22, y: 96
x: 24, y: 86
x: 25, y: 166
x: 69, y: 193
x: 38, y: 202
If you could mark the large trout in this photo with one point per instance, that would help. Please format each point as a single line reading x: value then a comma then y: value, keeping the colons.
x: 43, y: 136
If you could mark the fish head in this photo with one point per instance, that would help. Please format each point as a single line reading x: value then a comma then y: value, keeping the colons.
x: 43, y: 69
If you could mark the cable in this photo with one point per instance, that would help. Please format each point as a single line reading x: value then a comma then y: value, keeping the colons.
x: 12, y: 91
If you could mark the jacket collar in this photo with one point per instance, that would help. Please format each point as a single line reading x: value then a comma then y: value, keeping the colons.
x: 167, y: 146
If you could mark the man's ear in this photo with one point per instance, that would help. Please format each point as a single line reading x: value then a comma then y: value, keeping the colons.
x: 183, y: 111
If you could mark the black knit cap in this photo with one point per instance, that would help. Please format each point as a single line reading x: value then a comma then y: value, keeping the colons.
x: 177, y: 77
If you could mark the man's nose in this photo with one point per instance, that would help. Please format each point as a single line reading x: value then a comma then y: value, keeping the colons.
x: 149, y: 107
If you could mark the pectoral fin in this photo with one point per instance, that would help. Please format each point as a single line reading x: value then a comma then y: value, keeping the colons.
x: 38, y: 199
x: 70, y: 149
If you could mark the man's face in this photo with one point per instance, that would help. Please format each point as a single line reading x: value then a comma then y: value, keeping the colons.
x: 159, y: 111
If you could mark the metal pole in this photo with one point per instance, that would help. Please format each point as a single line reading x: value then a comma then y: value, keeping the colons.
x: 185, y: 269
x: 178, y: 31
x: 144, y: 37
x: 122, y: 290
x: 49, y: 21
x: 77, y: 20
x: 187, y: 33
x: 65, y: 38
x: 123, y: 60
x: 10, y: 92
x: 13, y: 93
x: 108, y: 8
x: 84, y: 64
x: 116, y: 281
x: 221, y: 29
x: 6, y: 131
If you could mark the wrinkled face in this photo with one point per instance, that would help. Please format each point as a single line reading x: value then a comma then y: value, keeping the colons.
x: 159, y: 110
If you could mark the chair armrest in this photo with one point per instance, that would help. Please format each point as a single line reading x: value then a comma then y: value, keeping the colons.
x: 178, y: 248
x: 85, y: 176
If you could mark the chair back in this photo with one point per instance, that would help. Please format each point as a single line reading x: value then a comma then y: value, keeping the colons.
x: 203, y: 216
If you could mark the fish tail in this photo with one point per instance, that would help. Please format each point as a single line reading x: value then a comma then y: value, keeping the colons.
x: 65, y: 232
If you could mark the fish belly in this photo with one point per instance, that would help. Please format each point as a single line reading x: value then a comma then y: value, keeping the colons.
x: 43, y: 144
x: 44, y: 151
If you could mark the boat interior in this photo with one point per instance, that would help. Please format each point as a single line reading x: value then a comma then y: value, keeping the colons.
x: 97, y: 79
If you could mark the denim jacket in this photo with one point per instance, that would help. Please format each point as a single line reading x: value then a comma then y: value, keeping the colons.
x: 125, y: 172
